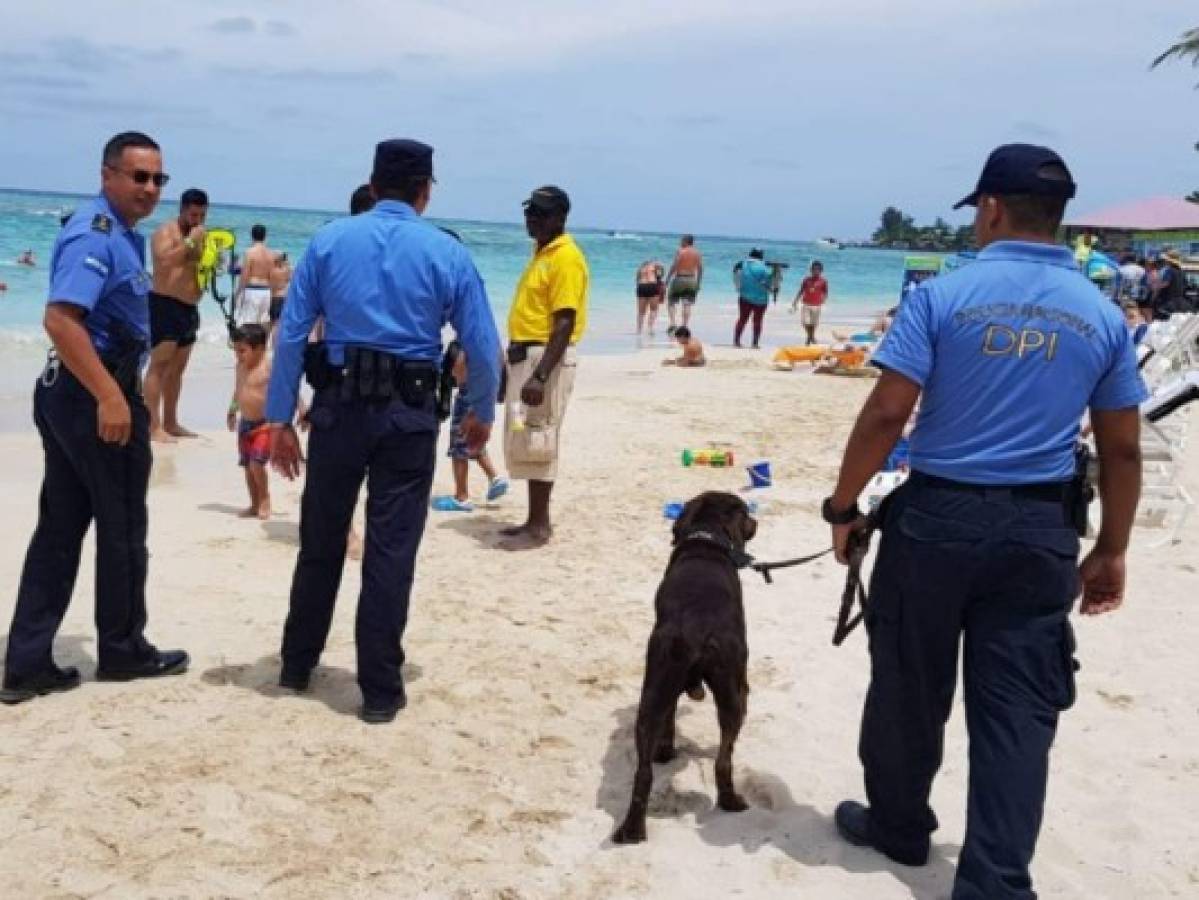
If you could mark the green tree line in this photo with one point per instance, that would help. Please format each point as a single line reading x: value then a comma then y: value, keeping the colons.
x: 899, y: 230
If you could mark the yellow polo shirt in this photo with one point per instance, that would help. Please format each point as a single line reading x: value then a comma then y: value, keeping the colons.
x: 556, y: 278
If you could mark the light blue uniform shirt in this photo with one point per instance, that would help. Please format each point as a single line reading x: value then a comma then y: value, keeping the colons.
x: 99, y: 264
x: 755, y: 282
x: 389, y: 281
x: 1010, y: 351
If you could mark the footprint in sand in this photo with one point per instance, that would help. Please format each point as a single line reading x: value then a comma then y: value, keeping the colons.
x: 1119, y: 701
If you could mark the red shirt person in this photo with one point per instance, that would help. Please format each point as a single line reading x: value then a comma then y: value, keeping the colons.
x: 813, y: 292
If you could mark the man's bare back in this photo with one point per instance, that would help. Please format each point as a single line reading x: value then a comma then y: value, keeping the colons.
x: 280, y: 276
x: 687, y: 261
x: 258, y: 265
x: 175, y: 262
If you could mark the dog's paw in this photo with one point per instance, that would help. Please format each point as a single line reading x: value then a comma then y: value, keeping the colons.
x: 733, y: 802
x: 665, y: 753
x: 629, y: 833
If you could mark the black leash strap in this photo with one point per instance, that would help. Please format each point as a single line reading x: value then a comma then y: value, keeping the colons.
x: 847, y: 620
x: 764, y: 568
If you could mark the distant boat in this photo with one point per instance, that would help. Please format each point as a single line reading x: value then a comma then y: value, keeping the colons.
x: 830, y: 242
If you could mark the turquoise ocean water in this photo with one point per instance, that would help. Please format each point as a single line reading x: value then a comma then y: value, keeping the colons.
x: 862, y: 281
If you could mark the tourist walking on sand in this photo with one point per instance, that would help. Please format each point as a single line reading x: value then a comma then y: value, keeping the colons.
x: 980, y: 547
x: 386, y: 282
x: 753, y: 289
x: 252, y: 300
x: 813, y: 292
x: 683, y: 281
x: 651, y: 285
x: 547, y: 319
x: 95, y: 433
x: 280, y: 280
x: 174, y: 312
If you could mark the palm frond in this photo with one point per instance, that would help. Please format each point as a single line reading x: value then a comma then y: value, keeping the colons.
x: 1188, y: 46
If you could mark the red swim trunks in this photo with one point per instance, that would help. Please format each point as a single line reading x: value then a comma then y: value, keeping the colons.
x: 253, y: 443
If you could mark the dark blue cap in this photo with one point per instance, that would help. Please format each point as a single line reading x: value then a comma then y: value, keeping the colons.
x: 1022, y: 169
x: 548, y: 198
x: 400, y: 159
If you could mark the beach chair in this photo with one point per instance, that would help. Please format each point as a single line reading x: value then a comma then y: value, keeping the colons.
x: 1165, y: 418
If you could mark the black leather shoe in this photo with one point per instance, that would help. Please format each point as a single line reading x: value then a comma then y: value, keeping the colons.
x: 19, y: 688
x: 380, y: 715
x: 295, y: 679
x: 854, y: 826
x: 163, y: 662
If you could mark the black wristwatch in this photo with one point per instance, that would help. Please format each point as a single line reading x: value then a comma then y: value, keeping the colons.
x: 539, y: 378
x: 847, y: 517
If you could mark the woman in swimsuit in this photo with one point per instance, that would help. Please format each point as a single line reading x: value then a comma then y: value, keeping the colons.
x: 651, y: 285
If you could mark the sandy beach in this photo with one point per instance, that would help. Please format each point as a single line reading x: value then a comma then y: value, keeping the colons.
x: 513, y: 762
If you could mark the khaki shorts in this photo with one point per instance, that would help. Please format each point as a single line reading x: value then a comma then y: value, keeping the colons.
x: 809, y: 315
x: 532, y: 452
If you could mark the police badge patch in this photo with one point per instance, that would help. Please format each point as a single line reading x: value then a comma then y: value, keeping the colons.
x: 101, y: 223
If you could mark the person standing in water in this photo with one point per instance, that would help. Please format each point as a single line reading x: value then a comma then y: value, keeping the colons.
x: 651, y: 285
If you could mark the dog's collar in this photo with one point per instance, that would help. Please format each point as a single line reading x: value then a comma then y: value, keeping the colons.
x: 738, y: 557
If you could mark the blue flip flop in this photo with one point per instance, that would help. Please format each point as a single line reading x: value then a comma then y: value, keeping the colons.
x: 497, y: 489
x: 452, y: 504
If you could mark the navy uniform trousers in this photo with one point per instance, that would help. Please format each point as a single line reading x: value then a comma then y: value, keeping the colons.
x: 85, y: 480
x: 392, y: 446
x: 994, y: 571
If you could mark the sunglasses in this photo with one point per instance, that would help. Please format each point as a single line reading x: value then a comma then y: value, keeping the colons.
x: 141, y: 176
x: 532, y: 212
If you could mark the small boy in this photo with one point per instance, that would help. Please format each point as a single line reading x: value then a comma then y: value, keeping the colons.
x: 813, y: 292
x: 249, y: 399
x: 692, y: 347
x: 458, y: 453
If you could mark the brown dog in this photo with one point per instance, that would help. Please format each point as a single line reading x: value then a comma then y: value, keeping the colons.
x: 698, y: 638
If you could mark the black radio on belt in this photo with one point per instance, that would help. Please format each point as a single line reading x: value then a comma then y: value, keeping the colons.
x: 1080, y: 492
x: 374, y: 375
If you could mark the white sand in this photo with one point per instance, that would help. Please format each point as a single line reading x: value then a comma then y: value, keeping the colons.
x: 512, y: 763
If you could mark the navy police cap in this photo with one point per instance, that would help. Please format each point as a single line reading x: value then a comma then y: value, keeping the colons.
x: 401, y: 158
x: 549, y: 198
x: 1022, y: 169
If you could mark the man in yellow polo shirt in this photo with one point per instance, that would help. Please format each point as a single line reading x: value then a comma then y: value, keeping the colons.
x: 548, y: 316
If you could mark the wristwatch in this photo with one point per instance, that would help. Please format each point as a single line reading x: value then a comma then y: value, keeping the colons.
x: 845, y: 517
x: 539, y: 378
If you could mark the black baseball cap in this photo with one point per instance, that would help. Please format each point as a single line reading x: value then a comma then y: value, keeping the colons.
x: 548, y: 199
x: 401, y: 158
x: 1022, y: 169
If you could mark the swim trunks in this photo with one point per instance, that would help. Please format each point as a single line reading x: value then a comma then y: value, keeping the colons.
x: 173, y: 320
x: 809, y: 315
x: 649, y: 289
x: 277, y: 307
x: 253, y: 442
x: 255, y: 306
x: 683, y: 287
x: 457, y: 417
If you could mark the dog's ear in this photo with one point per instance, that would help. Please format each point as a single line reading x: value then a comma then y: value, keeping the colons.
x: 691, y: 512
x: 749, y: 527
x: 687, y: 517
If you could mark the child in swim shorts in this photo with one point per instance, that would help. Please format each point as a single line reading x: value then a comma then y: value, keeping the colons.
x: 458, y: 452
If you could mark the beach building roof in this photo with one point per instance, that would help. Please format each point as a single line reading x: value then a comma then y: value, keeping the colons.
x: 1152, y: 214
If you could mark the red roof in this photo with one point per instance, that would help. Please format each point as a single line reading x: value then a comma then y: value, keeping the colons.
x: 1153, y: 214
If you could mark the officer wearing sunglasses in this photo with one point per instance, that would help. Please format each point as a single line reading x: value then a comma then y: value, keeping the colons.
x: 95, y: 432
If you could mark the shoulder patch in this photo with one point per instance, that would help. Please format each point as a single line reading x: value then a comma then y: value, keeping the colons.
x: 451, y: 233
x: 101, y: 223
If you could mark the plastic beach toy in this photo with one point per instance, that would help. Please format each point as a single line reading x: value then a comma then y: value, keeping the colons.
x: 708, y: 456
x: 759, y: 474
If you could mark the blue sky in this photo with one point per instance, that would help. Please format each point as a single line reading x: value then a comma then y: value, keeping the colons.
x: 783, y: 118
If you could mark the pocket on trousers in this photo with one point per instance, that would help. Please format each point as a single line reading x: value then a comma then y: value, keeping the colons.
x: 925, y: 527
x: 1069, y: 664
x: 536, y: 443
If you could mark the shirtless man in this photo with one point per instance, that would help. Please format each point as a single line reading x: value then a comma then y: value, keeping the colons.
x: 280, y: 281
x: 247, y: 413
x: 650, y: 288
x: 174, y: 312
x: 252, y: 301
x: 684, y: 279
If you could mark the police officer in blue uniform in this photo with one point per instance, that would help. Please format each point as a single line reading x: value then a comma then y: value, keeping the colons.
x: 88, y: 409
x: 386, y: 283
x: 980, y: 547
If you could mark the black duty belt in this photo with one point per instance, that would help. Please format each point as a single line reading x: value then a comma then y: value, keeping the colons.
x: 1049, y: 490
